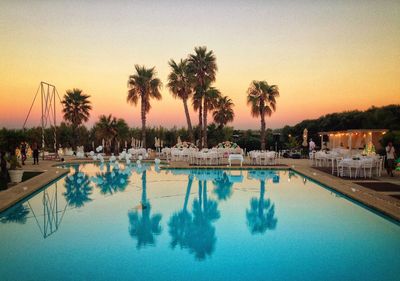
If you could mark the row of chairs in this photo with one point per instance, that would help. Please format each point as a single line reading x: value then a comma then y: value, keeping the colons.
x: 366, y: 168
x: 264, y: 157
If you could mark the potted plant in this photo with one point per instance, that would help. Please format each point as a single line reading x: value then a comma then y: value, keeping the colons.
x: 13, y: 171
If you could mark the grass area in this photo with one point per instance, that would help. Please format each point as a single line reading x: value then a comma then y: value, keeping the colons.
x: 28, y: 175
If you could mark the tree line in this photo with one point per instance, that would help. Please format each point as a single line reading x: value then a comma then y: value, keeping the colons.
x: 190, y: 79
x: 385, y: 117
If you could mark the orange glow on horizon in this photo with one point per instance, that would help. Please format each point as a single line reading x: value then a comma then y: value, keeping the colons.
x: 341, y: 56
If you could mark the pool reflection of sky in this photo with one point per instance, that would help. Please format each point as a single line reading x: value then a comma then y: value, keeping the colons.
x: 116, y: 222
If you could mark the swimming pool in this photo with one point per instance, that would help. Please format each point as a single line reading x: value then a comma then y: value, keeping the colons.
x: 143, y: 223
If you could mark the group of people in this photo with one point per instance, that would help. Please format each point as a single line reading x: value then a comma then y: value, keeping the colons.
x: 35, y: 152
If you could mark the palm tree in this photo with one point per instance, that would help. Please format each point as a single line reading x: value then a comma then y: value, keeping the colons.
x: 143, y: 85
x: 202, y: 66
x: 105, y: 129
x: 179, y: 84
x: 211, y: 98
x: 111, y: 129
x: 224, y: 111
x: 262, y: 99
x: 76, y: 109
x: 144, y: 226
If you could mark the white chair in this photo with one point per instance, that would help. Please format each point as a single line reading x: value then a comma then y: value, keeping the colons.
x: 367, y: 166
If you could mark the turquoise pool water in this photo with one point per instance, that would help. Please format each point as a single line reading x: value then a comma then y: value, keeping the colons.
x: 140, y: 223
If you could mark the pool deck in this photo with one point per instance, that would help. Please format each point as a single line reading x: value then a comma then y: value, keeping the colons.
x: 19, y: 191
x: 379, y: 201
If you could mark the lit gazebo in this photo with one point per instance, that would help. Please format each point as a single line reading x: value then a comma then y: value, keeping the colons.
x: 353, y: 139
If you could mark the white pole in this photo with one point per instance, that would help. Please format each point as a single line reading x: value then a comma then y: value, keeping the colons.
x: 350, y: 144
x: 322, y: 140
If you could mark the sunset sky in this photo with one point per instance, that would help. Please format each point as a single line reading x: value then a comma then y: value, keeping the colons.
x: 325, y: 56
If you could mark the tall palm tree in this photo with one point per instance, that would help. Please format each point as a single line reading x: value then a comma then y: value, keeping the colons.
x: 211, y: 98
x: 223, y: 112
x: 262, y: 99
x: 76, y: 109
x: 179, y: 83
x: 203, y: 67
x: 143, y: 85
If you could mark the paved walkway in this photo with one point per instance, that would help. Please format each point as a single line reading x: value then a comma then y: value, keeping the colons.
x: 19, y: 191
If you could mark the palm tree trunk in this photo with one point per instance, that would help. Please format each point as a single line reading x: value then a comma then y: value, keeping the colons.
x: 201, y: 125
x: 73, y: 142
x: 205, y: 110
x: 189, y: 122
x: 143, y: 115
x: 262, y: 131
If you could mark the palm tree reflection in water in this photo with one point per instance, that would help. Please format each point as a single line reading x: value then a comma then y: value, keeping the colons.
x: 142, y: 225
x: 17, y: 214
x: 223, y: 187
x: 195, y: 231
x: 261, y: 215
x: 179, y: 222
x: 78, y: 188
x: 112, y: 180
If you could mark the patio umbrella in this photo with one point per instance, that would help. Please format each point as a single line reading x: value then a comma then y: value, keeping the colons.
x: 305, y: 135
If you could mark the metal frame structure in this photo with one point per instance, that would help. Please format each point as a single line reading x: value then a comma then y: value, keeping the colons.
x: 48, y: 118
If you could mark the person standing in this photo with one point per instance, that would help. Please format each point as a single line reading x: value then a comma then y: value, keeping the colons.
x: 390, y: 158
x: 311, y: 145
x: 35, y: 149
x: 23, y: 152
